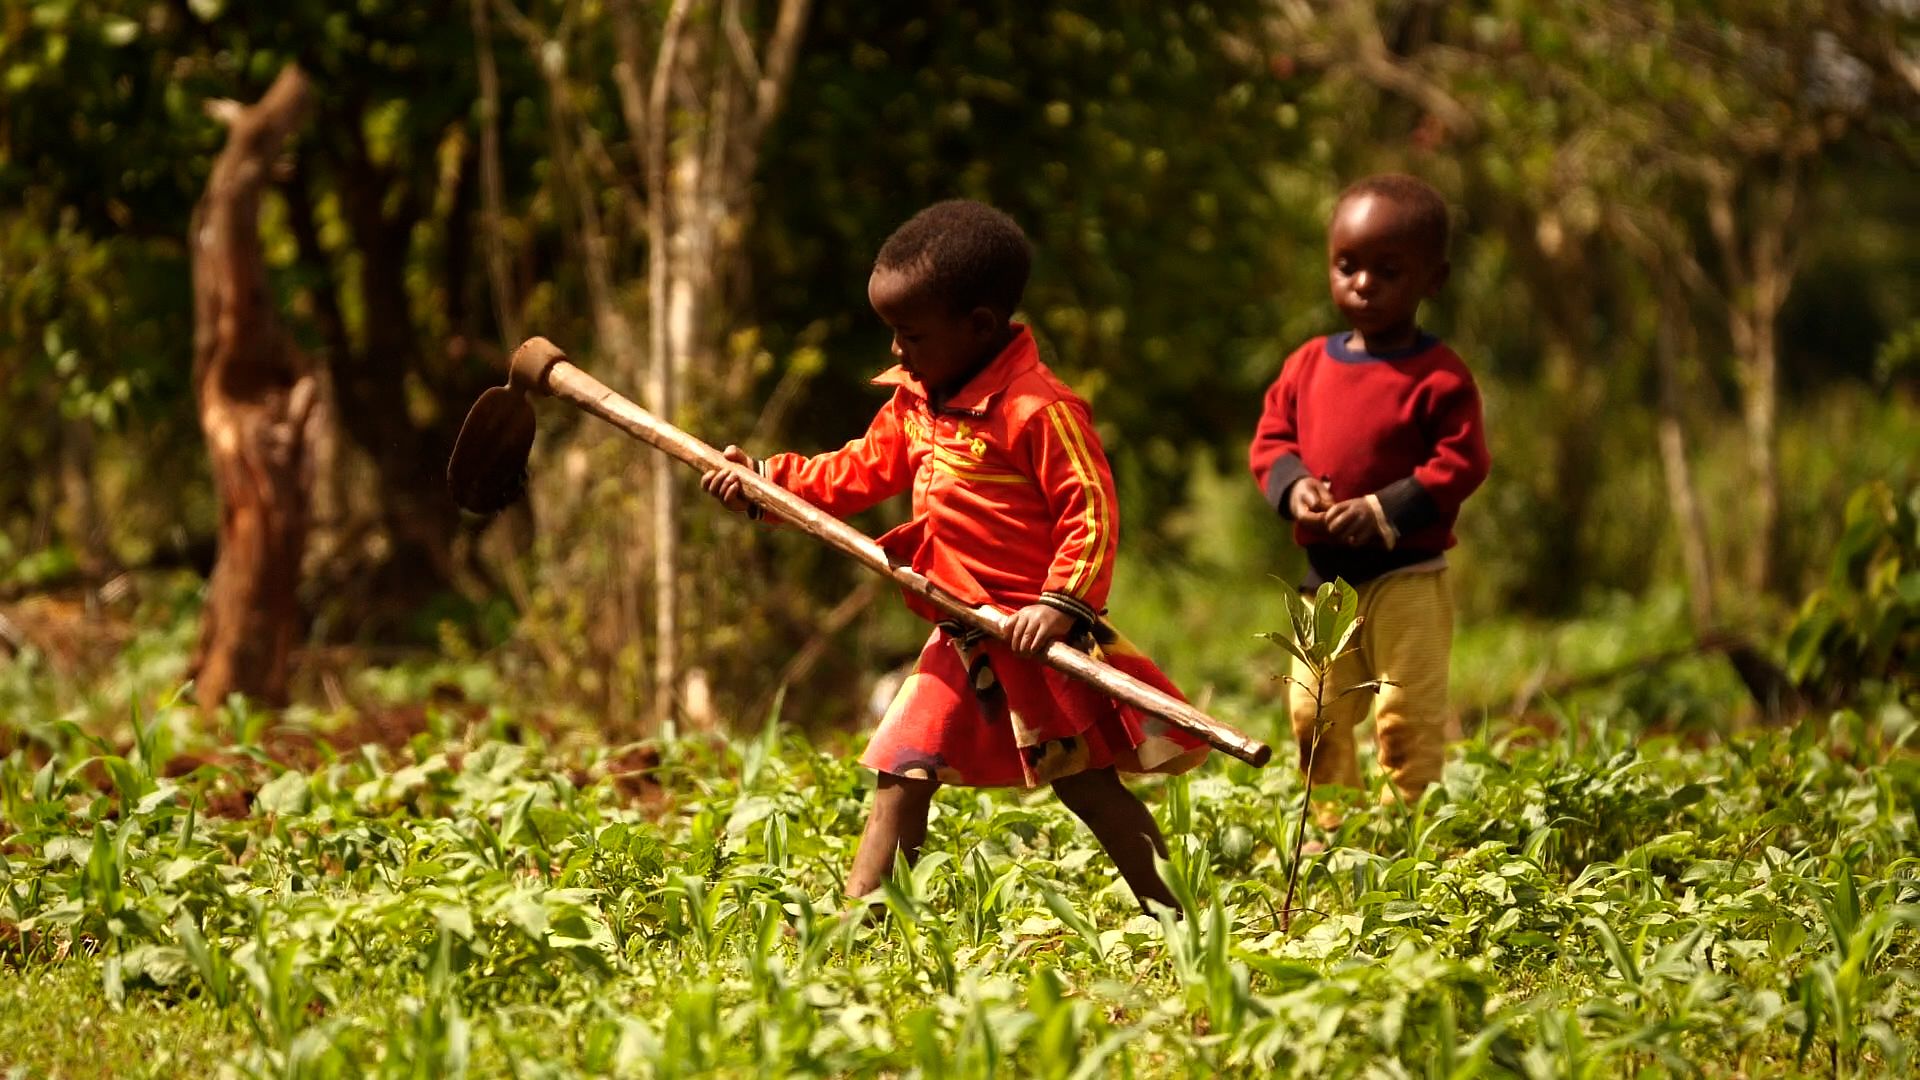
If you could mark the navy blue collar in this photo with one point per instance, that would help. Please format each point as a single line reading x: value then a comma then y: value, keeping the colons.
x: 1339, y: 348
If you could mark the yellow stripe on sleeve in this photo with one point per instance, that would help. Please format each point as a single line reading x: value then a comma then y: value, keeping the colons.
x: 1086, y: 569
x: 1097, y: 495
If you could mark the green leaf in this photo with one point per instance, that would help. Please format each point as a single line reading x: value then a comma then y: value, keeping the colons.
x: 1300, y: 616
x: 1292, y: 650
x: 1326, y: 622
x: 1686, y: 795
x: 286, y: 795
x: 74, y: 849
x: 1347, y: 628
x: 1371, y: 686
x: 161, y: 965
x: 455, y: 920
x: 166, y: 793
x: 529, y: 913
x: 1069, y: 915
x: 748, y: 812
x: 1614, y: 949
x: 212, y: 974
x: 1908, y: 588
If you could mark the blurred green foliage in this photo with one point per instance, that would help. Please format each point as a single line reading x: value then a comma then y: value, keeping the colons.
x: 1860, y: 634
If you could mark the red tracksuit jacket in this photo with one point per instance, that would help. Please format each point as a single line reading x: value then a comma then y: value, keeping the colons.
x: 1013, y: 502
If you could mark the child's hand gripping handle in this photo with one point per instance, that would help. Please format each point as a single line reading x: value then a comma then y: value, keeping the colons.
x: 539, y: 366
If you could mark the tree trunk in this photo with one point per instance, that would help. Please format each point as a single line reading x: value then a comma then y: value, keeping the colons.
x: 254, y: 395
x: 684, y: 306
x: 419, y: 521
x: 614, y: 338
x: 405, y: 528
x: 1564, y: 272
x: 696, y: 96
x: 697, y: 195
x: 1760, y: 408
x: 1689, y: 522
x: 493, y: 186
x: 662, y: 382
x: 1759, y: 270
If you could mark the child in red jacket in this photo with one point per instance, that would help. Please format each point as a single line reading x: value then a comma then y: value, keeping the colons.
x: 1013, y: 505
x: 1369, y: 442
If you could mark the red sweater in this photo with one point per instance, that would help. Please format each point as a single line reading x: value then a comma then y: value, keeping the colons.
x: 1404, y: 426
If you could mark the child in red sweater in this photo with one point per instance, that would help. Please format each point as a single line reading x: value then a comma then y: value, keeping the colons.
x: 1369, y: 442
x: 1013, y: 505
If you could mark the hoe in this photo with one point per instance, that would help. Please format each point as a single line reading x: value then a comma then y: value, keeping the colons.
x: 489, y: 469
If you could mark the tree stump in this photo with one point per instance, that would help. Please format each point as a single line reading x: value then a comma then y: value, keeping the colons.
x: 255, y: 395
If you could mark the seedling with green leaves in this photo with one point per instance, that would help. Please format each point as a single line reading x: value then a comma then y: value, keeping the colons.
x: 1320, y: 631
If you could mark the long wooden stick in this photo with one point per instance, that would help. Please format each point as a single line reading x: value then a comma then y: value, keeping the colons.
x: 539, y: 366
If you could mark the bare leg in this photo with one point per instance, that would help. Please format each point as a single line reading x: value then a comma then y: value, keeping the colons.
x: 898, y: 822
x: 1125, y: 828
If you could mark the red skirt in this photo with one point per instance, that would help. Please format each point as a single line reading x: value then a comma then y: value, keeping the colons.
x: 974, y: 712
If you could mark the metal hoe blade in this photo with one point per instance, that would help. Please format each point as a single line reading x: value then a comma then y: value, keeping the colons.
x: 488, y: 470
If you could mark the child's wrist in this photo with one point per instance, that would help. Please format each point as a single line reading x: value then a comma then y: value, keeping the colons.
x: 754, y: 511
x: 1292, y: 500
x: 1388, y: 534
x: 1069, y: 605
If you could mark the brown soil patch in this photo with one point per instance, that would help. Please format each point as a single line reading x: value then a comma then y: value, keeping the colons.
x: 226, y: 799
x: 635, y: 776
x: 73, y: 631
x: 295, y: 747
x: 391, y: 729
x: 79, y: 639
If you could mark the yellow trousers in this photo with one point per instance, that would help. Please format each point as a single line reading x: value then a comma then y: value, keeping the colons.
x: 1407, y: 639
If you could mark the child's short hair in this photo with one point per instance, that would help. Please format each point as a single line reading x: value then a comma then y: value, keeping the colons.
x: 967, y: 253
x: 1422, y: 201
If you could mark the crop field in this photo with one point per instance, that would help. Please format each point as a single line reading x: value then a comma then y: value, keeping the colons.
x: 484, y: 897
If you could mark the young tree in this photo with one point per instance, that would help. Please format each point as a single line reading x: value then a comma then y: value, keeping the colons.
x: 693, y: 89
x: 255, y: 396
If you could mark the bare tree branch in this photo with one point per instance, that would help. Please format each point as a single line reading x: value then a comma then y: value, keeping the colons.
x: 783, y: 48
x: 626, y: 79
x: 224, y: 111
x: 1364, y: 48
x: 633, y: 203
x: 523, y: 28
x: 658, y: 100
x: 739, y: 43
x: 723, y: 139
x: 506, y: 312
x: 1905, y: 65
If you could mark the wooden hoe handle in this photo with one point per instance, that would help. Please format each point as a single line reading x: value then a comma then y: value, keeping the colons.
x: 540, y: 367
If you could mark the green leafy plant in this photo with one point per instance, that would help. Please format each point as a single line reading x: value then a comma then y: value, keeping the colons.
x: 1320, y: 631
x: 1862, y: 630
x: 1600, y: 906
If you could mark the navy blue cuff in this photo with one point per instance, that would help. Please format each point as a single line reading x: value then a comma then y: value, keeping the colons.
x: 756, y: 512
x: 1408, y: 506
x: 1287, y: 470
x: 1081, y: 611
